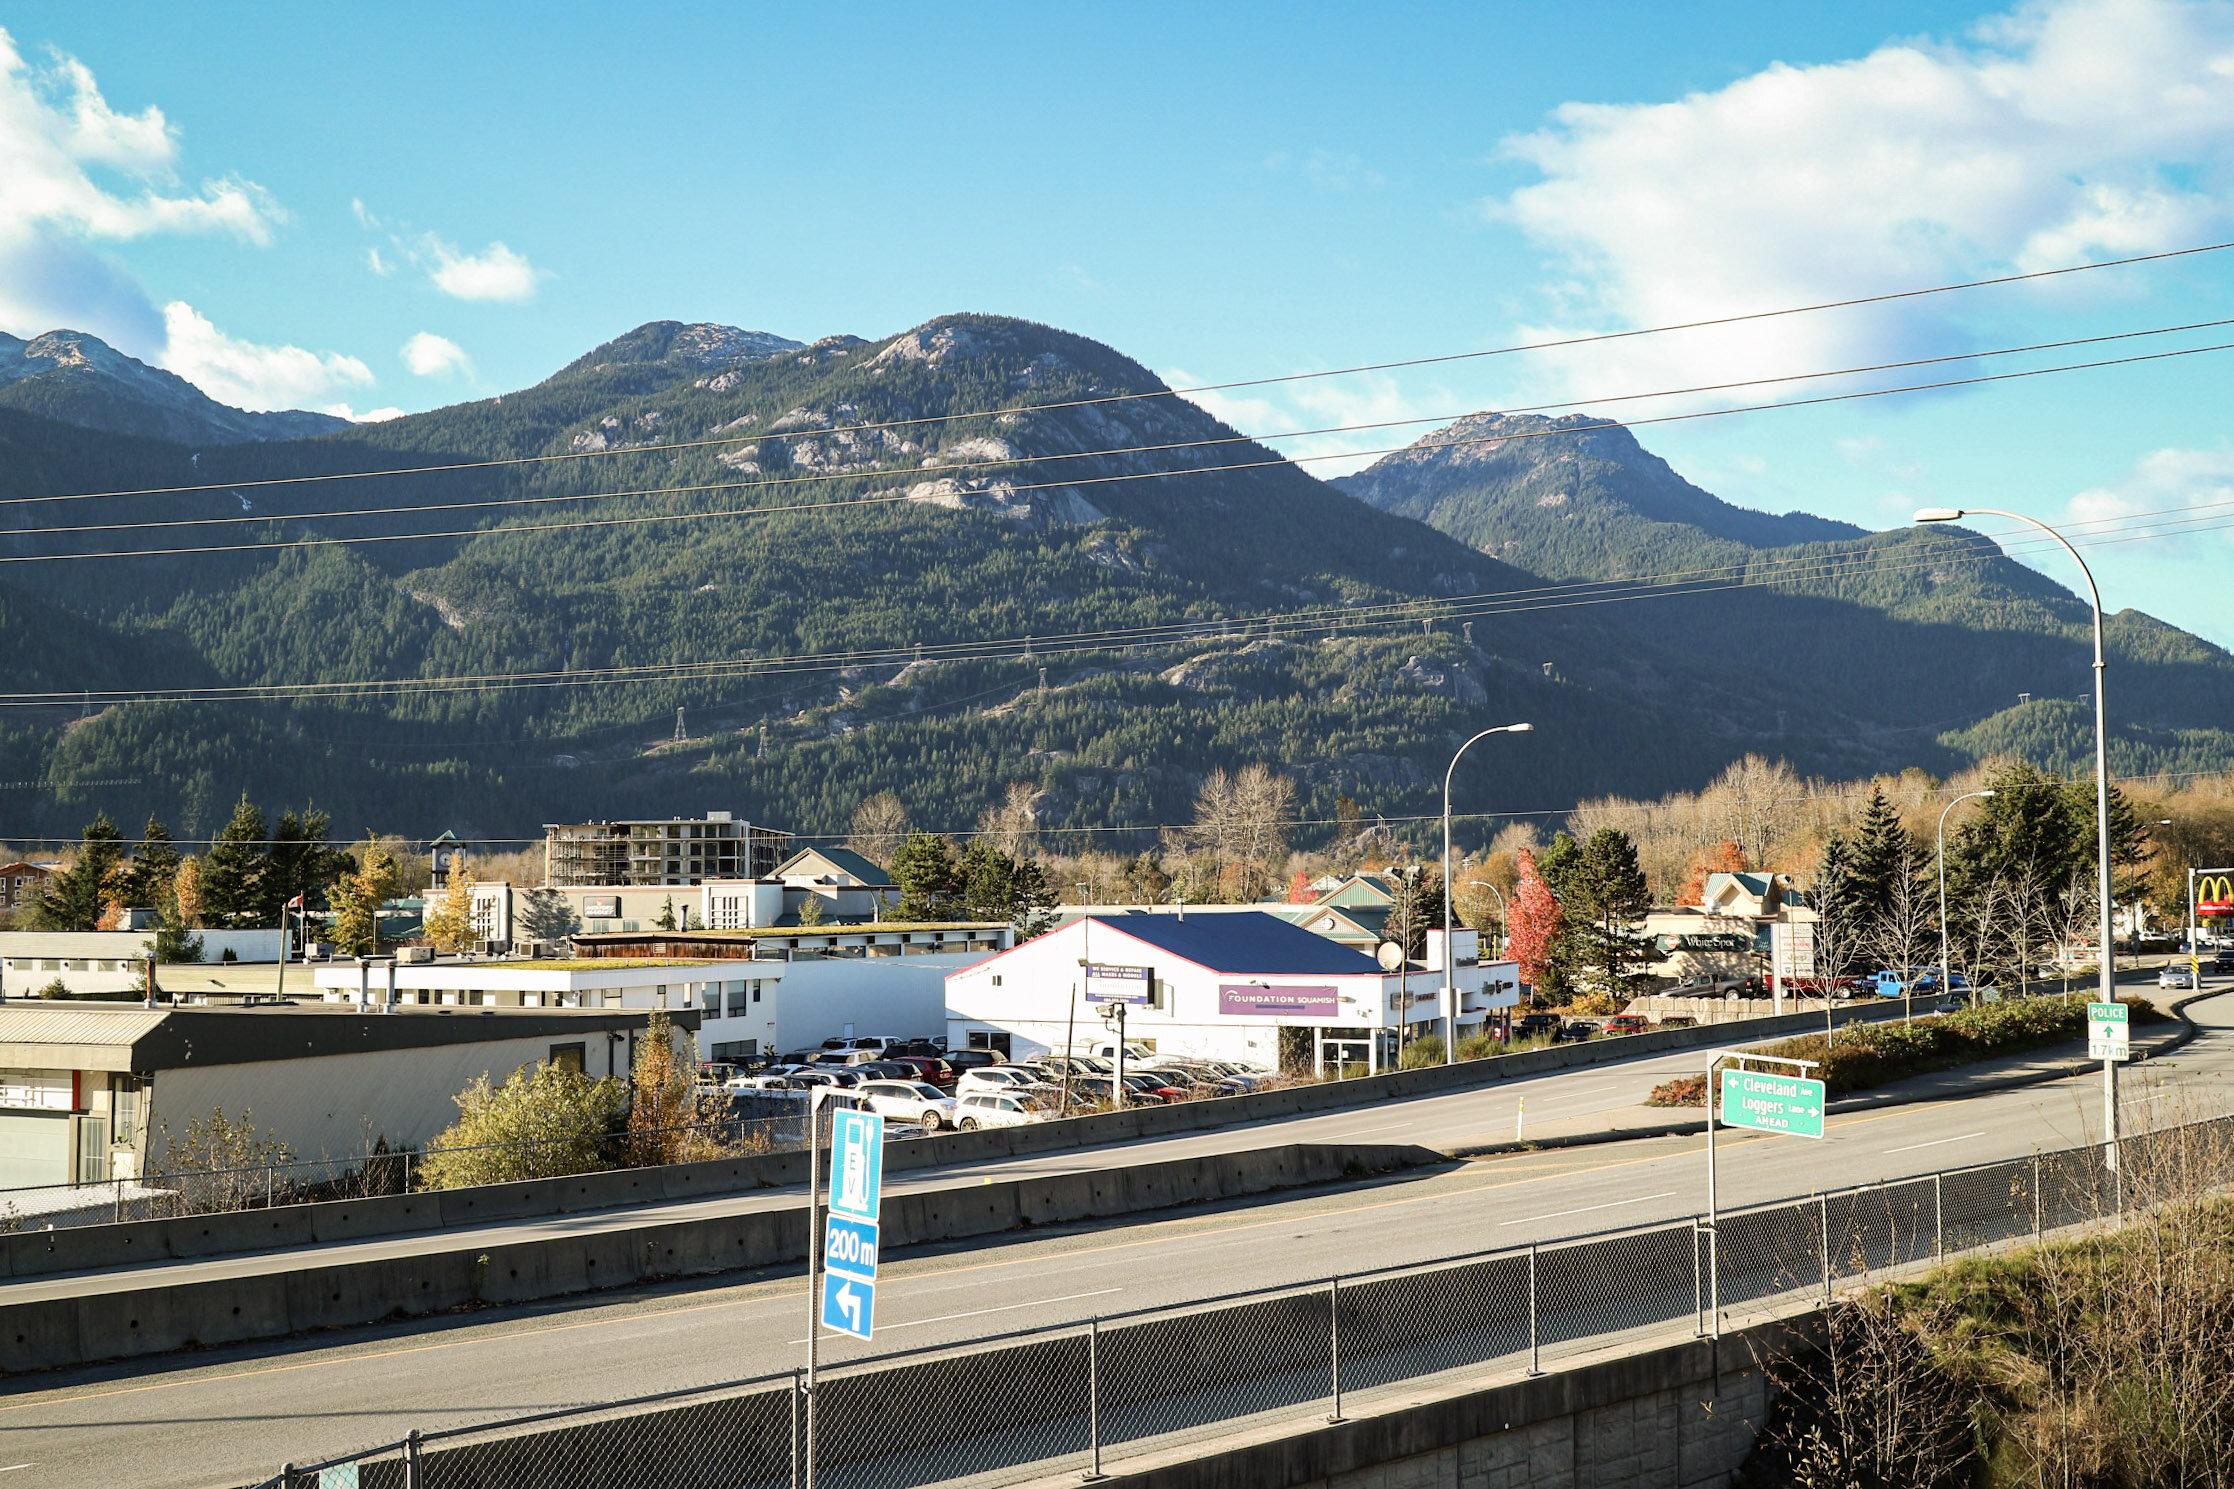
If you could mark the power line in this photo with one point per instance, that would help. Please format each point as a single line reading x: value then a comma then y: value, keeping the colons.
x: 1057, y: 457
x: 1572, y: 594
x: 1109, y: 398
x: 642, y: 519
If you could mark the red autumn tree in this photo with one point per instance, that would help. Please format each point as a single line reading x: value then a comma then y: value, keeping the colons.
x: 1535, y: 922
x: 1724, y: 857
x: 1299, y: 889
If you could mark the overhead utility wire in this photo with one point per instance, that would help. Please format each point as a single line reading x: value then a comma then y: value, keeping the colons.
x: 1825, y: 566
x: 1259, y: 382
x: 1158, y: 637
x: 665, y: 517
x: 1065, y: 455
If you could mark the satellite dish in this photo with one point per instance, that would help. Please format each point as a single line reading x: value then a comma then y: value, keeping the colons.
x: 1391, y: 956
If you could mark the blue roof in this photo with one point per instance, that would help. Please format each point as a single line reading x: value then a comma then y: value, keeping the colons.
x: 1242, y: 941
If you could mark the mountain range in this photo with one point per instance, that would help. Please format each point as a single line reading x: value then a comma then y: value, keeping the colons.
x: 721, y: 594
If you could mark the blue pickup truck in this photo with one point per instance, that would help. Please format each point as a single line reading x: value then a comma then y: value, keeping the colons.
x: 1916, y: 982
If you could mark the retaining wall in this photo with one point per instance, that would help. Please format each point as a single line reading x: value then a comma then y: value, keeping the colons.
x: 89, y: 1248
x: 161, y: 1316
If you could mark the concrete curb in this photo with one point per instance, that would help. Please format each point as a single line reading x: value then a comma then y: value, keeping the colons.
x: 1863, y: 1102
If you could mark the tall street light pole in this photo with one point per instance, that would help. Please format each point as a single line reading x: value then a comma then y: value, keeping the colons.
x: 2106, y: 971
x: 1450, y: 989
x: 1504, y: 911
x: 1946, y: 979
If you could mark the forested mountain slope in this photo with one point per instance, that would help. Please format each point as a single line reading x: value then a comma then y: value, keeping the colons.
x: 733, y: 498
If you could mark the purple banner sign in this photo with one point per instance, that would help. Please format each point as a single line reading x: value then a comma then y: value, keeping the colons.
x: 1253, y: 1000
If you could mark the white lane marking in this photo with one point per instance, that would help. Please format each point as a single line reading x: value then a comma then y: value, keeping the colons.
x: 2159, y: 1096
x: 1586, y: 1209
x: 1935, y: 1142
x: 1384, y: 1127
x: 947, y: 1318
x: 11, y: 1468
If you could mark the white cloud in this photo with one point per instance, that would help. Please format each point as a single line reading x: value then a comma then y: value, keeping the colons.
x: 2064, y: 131
x: 378, y: 264
x: 495, y: 273
x: 1371, y: 398
x: 430, y: 355
x: 247, y: 374
x: 2160, y: 484
x: 80, y: 175
x: 369, y: 416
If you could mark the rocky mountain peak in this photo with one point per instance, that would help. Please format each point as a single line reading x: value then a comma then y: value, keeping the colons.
x: 694, y: 346
x: 77, y: 378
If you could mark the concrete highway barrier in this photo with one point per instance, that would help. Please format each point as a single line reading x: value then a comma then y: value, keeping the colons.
x: 100, y: 1247
x: 307, y: 1295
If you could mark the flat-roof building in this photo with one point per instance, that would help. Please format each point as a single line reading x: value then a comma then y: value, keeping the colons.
x: 666, y: 850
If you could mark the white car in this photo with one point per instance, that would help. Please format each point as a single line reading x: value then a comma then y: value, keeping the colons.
x: 2175, y: 977
x: 926, y: 1106
x: 997, y: 1078
x: 997, y: 1109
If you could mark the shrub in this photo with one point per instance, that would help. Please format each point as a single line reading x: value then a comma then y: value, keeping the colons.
x: 1423, y: 1052
x: 544, y: 1121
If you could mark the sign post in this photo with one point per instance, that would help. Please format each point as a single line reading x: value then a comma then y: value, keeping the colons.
x: 1121, y: 987
x: 1787, y: 1105
x: 842, y: 1240
x: 2109, y: 1041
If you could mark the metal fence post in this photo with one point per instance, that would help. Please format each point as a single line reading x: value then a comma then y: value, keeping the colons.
x: 1823, y: 1212
x: 794, y: 1401
x: 1093, y: 1391
x: 411, y: 1479
x: 1939, y: 1220
x: 1334, y: 1341
x: 286, y: 1476
x: 267, y: 1186
x: 1698, y: 1291
x: 119, y: 1181
x: 2036, y: 1232
x: 1535, y: 1354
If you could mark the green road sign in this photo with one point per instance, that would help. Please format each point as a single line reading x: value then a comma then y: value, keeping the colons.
x: 1788, y: 1104
x: 2107, y: 1031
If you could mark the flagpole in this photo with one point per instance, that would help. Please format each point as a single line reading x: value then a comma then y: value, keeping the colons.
x: 282, y: 991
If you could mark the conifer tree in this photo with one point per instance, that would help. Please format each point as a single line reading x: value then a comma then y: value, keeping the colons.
x: 233, y: 871
x: 72, y: 899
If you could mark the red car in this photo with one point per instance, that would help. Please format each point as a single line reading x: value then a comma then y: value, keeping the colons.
x: 1626, y: 1023
x: 928, y: 1069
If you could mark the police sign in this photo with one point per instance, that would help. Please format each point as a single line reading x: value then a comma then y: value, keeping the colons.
x: 2107, y: 1031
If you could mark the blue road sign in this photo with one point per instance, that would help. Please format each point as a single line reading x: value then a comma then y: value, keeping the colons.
x: 850, y: 1246
x: 857, y: 1165
x: 849, y: 1304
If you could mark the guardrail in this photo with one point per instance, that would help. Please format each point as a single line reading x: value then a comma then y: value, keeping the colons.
x: 1078, y: 1397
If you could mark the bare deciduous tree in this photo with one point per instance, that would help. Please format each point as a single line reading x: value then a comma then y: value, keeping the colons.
x: 879, y: 827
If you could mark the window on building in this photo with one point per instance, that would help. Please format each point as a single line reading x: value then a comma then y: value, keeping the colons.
x: 996, y: 1040
x: 735, y: 992
x: 569, y: 1056
x: 756, y: 989
x: 996, y: 979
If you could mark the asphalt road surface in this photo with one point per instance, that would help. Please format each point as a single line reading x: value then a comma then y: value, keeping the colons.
x: 224, y: 1417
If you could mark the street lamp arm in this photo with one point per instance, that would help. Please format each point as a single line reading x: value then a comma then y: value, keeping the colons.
x: 1450, y: 988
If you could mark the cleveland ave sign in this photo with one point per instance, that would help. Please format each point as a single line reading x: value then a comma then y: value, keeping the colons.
x: 1791, y: 1105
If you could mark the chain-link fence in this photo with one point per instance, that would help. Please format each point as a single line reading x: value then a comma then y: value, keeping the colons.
x: 169, y: 1193
x: 1071, y: 1397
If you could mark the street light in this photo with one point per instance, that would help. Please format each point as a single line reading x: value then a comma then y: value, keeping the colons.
x: 1504, y: 911
x: 2106, y: 971
x: 1450, y: 990
x: 1945, y: 978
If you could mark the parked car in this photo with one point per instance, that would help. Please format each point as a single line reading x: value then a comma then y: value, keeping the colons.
x: 1528, y: 1025
x: 1580, y: 1029
x: 2223, y: 962
x: 929, y: 1069
x: 966, y: 1060
x: 1152, y: 1088
x: 998, y: 1078
x: 2176, y: 977
x: 1679, y: 1021
x: 916, y: 1102
x: 1626, y: 1023
x: 998, y: 1109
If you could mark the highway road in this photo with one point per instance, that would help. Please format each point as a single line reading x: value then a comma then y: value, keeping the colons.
x: 227, y: 1416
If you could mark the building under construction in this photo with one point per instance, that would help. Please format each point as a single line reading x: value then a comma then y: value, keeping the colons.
x: 681, y: 850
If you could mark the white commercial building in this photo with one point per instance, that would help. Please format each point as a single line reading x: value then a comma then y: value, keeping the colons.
x: 744, y: 1006
x: 1241, y: 986
x: 89, y: 962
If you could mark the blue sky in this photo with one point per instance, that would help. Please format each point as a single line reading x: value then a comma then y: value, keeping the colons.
x: 399, y: 207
